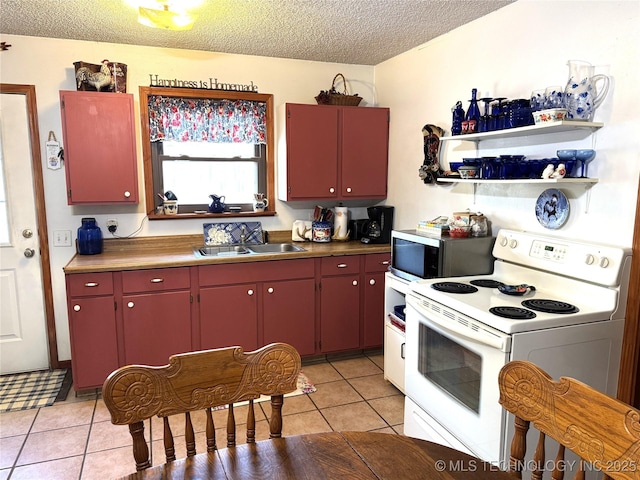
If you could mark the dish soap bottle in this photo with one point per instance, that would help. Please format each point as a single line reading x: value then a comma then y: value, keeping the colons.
x: 89, y: 237
x: 473, y: 113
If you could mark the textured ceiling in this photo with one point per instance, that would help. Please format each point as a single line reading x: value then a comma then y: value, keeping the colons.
x: 364, y: 32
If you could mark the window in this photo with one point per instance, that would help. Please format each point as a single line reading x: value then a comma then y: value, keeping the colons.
x: 224, y: 146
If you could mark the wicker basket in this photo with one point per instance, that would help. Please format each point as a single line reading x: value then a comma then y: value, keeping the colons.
x: 332, y: 97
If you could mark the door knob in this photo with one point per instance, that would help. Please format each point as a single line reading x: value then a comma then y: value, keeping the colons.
x: 29, y: 252
x: 27, y: 233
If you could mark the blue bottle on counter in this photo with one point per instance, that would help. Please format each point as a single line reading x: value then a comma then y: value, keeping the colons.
x: 89, y: 237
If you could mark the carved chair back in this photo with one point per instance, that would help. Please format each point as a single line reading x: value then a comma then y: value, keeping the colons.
x: 601, y: 430
x: 197, y: 381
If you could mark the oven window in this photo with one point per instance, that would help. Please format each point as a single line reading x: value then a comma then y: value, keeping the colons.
x: 450, y: 366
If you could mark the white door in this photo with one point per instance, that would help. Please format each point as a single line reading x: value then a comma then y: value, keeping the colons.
x: 23, y: 331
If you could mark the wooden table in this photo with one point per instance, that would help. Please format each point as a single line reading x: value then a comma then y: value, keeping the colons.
x: 339, y: 455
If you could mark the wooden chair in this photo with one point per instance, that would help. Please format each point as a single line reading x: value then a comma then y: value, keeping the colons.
x: 199, y: 381
x: 598, y: 428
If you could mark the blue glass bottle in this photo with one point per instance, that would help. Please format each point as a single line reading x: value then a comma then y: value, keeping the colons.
x: 473, y: 113
x: 458, y: 117
x: 89, y: 237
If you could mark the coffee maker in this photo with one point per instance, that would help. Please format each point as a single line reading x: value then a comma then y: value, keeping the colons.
x: 379, y: 226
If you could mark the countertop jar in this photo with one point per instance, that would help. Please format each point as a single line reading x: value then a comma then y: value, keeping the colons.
x: 89, y: 237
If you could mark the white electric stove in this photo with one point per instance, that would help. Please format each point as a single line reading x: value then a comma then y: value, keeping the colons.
x: 557, y: 302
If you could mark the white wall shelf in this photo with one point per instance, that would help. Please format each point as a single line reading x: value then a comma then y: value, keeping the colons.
x: 587, y: 181
x: 542, y: 129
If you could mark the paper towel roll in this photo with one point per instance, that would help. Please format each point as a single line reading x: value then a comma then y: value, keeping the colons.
x: 341, y: 223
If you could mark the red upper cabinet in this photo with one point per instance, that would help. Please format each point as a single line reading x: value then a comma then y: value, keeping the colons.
x: 99, y: 147
x: 335, y: 152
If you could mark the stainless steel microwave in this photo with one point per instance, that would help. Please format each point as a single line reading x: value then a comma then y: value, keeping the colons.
x: 415, y: 255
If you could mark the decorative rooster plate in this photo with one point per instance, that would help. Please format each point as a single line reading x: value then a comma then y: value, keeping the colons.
x: 552, y: 208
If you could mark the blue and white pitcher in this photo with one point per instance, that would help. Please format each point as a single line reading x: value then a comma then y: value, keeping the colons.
x: 581, y: 96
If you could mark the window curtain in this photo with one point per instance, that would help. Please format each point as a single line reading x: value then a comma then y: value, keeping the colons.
x: 207, y: 120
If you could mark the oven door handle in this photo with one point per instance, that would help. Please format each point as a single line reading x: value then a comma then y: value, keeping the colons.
x: 501, y: 343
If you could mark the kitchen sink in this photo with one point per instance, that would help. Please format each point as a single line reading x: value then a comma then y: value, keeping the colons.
x: 233, y: 250
x: 222, y: 251
x: 275, y: 248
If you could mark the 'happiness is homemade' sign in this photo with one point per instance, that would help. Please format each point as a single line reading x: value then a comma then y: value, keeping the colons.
x: 209, y: 84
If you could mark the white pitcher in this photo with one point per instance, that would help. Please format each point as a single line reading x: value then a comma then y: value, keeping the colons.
x: 581, y: 95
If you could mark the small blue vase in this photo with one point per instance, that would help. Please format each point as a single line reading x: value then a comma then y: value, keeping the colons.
x: 89, y: 237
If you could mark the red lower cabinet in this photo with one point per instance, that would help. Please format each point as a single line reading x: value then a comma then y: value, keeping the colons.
x: 229, y: 316
x: 289, y: 313
x: 92, y: 325
x: 156, y: 326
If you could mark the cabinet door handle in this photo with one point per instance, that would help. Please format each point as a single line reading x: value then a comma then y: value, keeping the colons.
x: 157, y: 280
x: 402, y: 351
x: 386, y: 262
x: 249, y: 292
x: 332, y: 190
x: 130, y: 304
x: 76, y: 308
x: 348, y: 189
x: 355, y: 283
x: 372, y: 281
x: 127, y: 194
x: 342, y: 265
x: 91, y: 284
x: 270, y: 289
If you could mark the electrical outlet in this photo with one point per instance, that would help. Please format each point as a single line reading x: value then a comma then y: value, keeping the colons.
x: 62, y: 238
x: 112, y: 225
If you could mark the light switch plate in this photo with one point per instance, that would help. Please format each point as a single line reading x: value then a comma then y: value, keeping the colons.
x: 62, y: 238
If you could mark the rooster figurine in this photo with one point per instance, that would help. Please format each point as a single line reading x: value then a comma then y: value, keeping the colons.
x: 97, y: 80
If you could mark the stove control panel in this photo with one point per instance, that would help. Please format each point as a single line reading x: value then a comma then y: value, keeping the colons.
x: 592, y: 262
x: 548, y: 251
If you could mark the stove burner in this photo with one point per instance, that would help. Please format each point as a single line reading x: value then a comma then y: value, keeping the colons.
x: 486, y: 283
x: 515, y: 313
x: 453, y: 287
x: 549, y: 306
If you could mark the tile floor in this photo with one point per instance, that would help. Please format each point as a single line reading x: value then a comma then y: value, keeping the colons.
x: 75, y: 439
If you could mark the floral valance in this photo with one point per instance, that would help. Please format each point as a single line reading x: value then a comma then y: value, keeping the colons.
x: 207, y: 120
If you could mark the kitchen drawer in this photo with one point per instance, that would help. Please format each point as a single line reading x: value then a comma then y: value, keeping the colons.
x: 90, y: 284
x: 377, y: 262
x: 341, y: 265
x: 155, y: 280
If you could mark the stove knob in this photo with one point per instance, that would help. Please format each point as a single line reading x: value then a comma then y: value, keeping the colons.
x: 590, y: 259
x: 604, y: 262
x: 503, y: 242
x: 513, y: 243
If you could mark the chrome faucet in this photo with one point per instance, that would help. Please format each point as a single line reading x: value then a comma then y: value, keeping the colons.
x: 244, y: 234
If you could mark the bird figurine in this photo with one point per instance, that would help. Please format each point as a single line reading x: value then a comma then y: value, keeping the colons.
x: 548, y: 171
x: 98, y: 80
x: 560, y: 172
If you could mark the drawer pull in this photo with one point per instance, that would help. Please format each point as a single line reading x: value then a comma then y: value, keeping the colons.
x: 386, y: 262
x: 270, y: 289
x: 91, y: 284
x: 342, y: 265
x: 355, y: 283
x: 130, y: 304
x: 157, y: 280
x: 76, y: 308
x: 372, y: 281
x: 250, y: 292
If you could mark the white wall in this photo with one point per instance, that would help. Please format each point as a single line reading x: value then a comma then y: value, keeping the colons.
x: 509, y: 53
x: 48, y: 64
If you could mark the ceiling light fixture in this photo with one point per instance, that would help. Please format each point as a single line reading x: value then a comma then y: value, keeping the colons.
x: 166, y: 16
